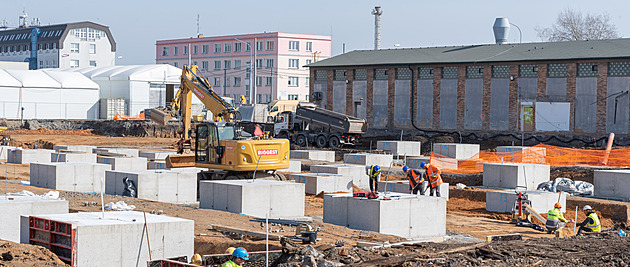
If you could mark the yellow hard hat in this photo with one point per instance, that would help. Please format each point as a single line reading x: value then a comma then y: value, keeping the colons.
x: 230, y: 250
x: 196, y: 259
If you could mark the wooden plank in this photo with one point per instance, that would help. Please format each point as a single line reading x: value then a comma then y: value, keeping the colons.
x: 261, y: 235
x: 507, y: 237
x: 536, y: 214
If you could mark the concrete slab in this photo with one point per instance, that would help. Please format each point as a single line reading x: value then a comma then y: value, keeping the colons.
x: 526, y: 154
x: 178, y: 187
x: 403, y: 187
x: 257, y: 198
x: 74, y: 148
x: 414, y: 162
x: 12, y: 207
x: 124, y: 163
x: 368, y: 159
x: 409, y: 148
x: 69, y: 176
x: 323, y: 182
x: 357, y: 172
x: 323, y: 155
x: 405, y: 215
x: 456, y: 151
x: 25, y: 156
x: 120, y: 239
x: 156, y: 155
x: 295, y: 166
x: 4, y: 152
x: 612, y: 183
x: 542, y: 201
x: 157, y: 165
x: 515, y: 175
x: 73, y: 157
x: 130, y: 152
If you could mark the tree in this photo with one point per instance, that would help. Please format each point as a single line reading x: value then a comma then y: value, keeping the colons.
x: 573, y: 25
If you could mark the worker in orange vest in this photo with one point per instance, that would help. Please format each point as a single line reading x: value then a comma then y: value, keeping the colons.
x: 415, y: 180
x: 435, y: 177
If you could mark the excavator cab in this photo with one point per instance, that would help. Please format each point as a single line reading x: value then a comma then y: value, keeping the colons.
x: 208, y: 149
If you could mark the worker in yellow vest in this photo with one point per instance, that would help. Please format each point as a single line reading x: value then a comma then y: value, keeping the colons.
x: 555, y: 219
x: 239, y: 257
x: 374, y: 173
x: 591, y: 223
x: 435, y: 177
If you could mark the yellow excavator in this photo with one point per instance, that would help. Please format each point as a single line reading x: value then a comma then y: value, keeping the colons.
x: 221, y: 145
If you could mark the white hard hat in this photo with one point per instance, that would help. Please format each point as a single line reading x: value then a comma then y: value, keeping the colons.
x: 587, y: 207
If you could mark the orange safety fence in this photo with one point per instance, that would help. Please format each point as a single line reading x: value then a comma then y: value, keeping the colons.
x: 539, y: 154
x: 121, y: 117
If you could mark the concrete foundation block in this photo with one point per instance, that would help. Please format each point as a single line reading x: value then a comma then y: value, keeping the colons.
x: 12, y: 207
x: 129, y: 152
x: 542, y: 201
x: 4, y: 152
x: 120, y: 239
x: 295, y: 166
x: 403, y: 187
x: 125, y: 163
x: 257, y: 198
x: 322, y: 155
x: 456, y: 151
x: 405, y: 215
x: 409, y: 148
x: 73, y: 157
x: 357, y: 172
x: 612, y: 183
x: 156, y: 155
x: 25, y: 156
x: 157, y: 165
x: 515, y: 175
x: 69, y: 176
x: 178, y: 187
x: 526, y: 154
x: 368, y: 159
x: 74, y: 148
x: 323, y: 182
x: 414, y: 162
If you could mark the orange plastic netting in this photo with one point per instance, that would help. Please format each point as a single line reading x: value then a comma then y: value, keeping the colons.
x: 122, y: 117
x: 539, y: 154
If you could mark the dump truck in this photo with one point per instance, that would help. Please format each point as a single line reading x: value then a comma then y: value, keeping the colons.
x: 310, y: 124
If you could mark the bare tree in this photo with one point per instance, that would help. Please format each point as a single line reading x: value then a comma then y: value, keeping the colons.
x: 572, y: 25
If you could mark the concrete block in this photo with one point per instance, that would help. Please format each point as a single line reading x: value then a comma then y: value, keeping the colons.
x: 357, y: 172
x: 322, y: 155
x: 403, y: 187
x: 157, y: 165
x: 612, y: 183
x: 404, y: 215
x: 129, y: 152
x: 73, y: 157
x: 69, y: 176
x: 368, y: 159
x: 170, y: 186
x: 124, y: 163
x: 515, y: 175
x: 409, y: 148
x: 542, y: 201
x: 25, y: 156
x: 323, y: 182
x: 414, y: 162
x: 156, y: 155
x: 295, y: 166
x: 456, y: 151
x: 4, y: 152
x: 74, y: 148
x: 526, y: 154
x: 257, y: 198
x: 120, y: 239
x: 12, y: 207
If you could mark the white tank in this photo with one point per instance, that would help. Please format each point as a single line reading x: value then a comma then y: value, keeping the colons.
x: 501, y: 30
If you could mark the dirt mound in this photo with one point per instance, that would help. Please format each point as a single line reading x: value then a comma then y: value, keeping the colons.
x: 14, y: 254
x: 44, y: 131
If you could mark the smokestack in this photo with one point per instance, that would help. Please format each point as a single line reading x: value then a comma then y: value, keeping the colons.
x: 377, y: 12
x: 501, y: 30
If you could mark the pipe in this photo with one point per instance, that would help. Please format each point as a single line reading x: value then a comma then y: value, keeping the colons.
x: 611, y: 139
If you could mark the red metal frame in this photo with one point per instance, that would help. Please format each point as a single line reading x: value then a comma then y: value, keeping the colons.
x: 53, y: 230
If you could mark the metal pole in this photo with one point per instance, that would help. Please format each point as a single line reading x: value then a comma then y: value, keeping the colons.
x: 575, y: 222
x: 146, y: 227
x: 267, y: 240
x: 254, y: 69
x: 224, y: 78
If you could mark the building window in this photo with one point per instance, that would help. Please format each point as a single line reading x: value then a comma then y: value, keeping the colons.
x: 294, y: 81
x: 449, y: 72
x: 294, y: 45
x: 204, y: 65
x: 293, y: 97
x: 259, y: 63
x: 268, y: 81
x: 501, y: 71
x: 269, y: 63
x: 403, y: 74
x: 424, y: 73
x: 587, y: 69
x: 237, y: 64
x: 380, y: 74
x: 227, y: 64
x: 41, y: 64
x: 619, y: 69
x: 474, y: 72
x: 528, y: 71
x: 217, y: 48
x: 92, y: 63
x: 258, y: 98
x: 175, y: 50
x: 248, y: 47
x: 227, y: 47
x: 195, y: 49
x: 217, y: 64
x: 258, y: 81
x: 321, y: 75
x: 205, y: 49
x: 340, y: 75
x: 557, y: 70
x: 54, y: 46
x: 227, y: 81
x: 237, y: 81
x: 164, y: 51
x: 237, y: 47
x: 308, y: 80
x: 217, y: 81
x: 360, y: 74
x: 294, y: 63
x: 270, y: 45
x: 175, y: 64
x: 93, y: 49
x: 308, y: 61
x: 74, y: 47
x: 185, y: 50
x: 74, y: 63
x: 309, y: 46
x: 259, y: 45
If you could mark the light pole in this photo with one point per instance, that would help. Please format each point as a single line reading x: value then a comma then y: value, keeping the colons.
x: 252, y: 71
x: 520, y: 34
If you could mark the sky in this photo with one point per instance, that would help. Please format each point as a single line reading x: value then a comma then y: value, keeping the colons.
x: 137, y: 24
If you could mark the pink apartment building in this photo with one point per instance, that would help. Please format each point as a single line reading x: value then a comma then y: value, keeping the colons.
x: 280, y: 60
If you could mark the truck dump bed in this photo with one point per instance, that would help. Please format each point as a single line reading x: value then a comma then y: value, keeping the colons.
x: 327, y: 120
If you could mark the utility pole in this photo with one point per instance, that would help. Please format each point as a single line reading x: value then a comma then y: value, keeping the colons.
x: 255, y: 79
x: 224, y: 79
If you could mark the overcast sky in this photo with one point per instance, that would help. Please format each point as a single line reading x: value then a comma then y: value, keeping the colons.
x: 136, y: 24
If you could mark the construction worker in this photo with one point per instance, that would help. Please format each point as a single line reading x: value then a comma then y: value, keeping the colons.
x: 239, y: 257
x: 415, y: 180
x: 435, y: 177
x: 555, y: 219
x: 591, y: 223
x: 374, y: 172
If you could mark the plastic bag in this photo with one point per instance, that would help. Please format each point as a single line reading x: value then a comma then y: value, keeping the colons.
x: 130, y: 188
x: 120, y: 205
x: 578, y: 188
x: 460, y: 186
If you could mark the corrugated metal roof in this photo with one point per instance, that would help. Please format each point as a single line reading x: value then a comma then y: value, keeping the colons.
x: 549, y: 51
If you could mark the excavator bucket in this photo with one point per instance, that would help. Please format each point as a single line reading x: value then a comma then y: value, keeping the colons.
x: 180, y: 161
x: 160, y: 116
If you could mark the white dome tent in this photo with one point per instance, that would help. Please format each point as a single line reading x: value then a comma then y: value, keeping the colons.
x: 47, y: 94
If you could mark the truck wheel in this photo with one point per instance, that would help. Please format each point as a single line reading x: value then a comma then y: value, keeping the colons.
x: 334, y: 142
x: 300, y: 140
x: 321, y: 141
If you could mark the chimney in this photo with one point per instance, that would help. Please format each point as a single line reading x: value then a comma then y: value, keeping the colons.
x: 377, y: 27
x: 501, y: 30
